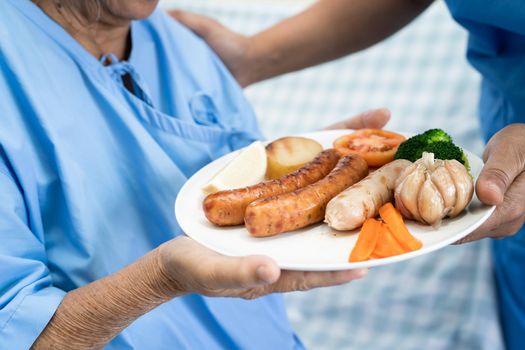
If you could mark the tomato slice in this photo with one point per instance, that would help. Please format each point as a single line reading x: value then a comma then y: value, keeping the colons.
x: 377, y: 147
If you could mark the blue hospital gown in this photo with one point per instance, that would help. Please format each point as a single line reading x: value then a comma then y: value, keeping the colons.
x: 89, y: 171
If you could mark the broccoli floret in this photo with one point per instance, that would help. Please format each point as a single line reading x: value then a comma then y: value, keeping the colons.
x: 433, y: 141
x: 465, y: 162
x: 436, y: 135
x: 411, y: 149
x: 448, y: 150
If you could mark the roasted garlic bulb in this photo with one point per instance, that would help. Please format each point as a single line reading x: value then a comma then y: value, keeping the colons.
x: 429, y: 190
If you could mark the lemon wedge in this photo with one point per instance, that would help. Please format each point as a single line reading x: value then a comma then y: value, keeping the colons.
x: 246, y: 169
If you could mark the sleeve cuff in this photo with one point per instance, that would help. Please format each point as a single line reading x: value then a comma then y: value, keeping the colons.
x: 30, y: 318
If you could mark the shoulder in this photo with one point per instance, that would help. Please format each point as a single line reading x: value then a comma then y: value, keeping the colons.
x: 182, y: 48
x: 193, y: 69
x: 13, y: 19
x: 10, y: 23
x: 6, y: 10
x: 163, y: 24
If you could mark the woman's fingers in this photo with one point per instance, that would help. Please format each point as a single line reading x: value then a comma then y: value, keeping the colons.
x: 241, y: 272
x: 291, y: 281
x: 231, y: 47
x: 254, y: 276
x: 194, y: 268
x: 504, y: 162
x: 502, y: 183
x: 508, y: 217
x: 373, y: 119
x: 197, y: 269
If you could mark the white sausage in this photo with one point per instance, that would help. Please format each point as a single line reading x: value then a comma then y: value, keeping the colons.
x: 352, y: 207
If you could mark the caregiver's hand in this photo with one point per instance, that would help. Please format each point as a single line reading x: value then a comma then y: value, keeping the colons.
x: 372, y: 119
x: 233, y: 48
x: 502, y: 183
x: 325, y: 31
x: 193, y: 268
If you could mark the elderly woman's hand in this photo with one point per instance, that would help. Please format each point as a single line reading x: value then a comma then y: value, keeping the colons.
x: 192, y: 268
x: 502, y: 183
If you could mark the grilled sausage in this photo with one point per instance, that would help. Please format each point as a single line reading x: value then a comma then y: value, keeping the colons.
x: 226, y: 208
x: 305, y: 206
x: 353, y: 206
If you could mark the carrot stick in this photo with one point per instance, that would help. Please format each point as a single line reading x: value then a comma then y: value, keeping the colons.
x: 367, y: 240
x: 387, y: 245
x: 374, y: 256
x: 397, y: 227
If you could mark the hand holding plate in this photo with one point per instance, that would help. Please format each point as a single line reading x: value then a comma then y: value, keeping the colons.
x: 502, y: 183
x: 192, y: 268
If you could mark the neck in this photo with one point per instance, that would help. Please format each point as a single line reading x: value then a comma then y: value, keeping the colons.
x: 97, y: 30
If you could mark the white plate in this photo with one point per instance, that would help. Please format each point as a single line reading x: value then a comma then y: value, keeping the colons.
x: 317, y: 247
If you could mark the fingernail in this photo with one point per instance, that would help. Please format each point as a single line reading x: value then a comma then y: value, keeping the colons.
x: 385, y: 110
x: 263, y: 274
x: 350, y: 275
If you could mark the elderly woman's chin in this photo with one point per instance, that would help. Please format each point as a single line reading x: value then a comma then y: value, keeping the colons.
x: 131, y: 9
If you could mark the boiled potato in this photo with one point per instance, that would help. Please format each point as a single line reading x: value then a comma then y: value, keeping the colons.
x: 288, y: 154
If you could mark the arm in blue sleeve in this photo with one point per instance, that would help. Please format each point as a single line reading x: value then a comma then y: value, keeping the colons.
x: 28, y: 299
